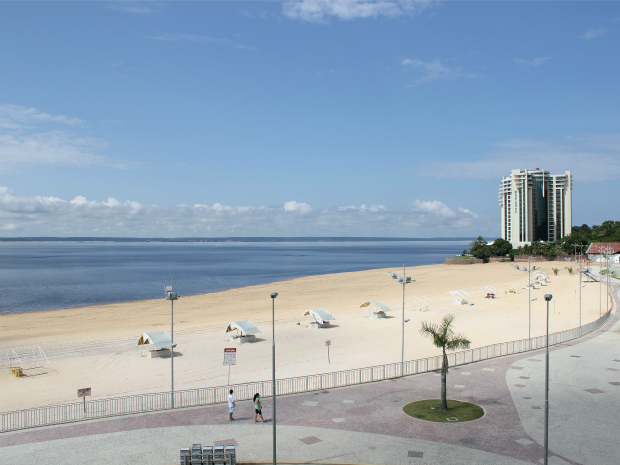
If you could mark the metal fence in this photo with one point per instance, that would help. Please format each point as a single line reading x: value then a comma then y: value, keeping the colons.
x: 101, y: 408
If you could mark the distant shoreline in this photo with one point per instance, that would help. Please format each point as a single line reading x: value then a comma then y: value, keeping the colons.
x: 233, y: 239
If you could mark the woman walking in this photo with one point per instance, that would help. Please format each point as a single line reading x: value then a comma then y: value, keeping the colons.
x: 258, y: 408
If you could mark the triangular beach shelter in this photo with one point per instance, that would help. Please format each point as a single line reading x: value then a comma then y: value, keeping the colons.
x: 322, y: 317
x: 379, y: 309
x: 158, y: 342
x: 246, y: 331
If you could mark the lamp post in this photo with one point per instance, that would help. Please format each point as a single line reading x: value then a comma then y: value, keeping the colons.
x: 607, y: 250
x: 402, y: 280
x: 171, y: 296
x: 273, y: 369
x: 529, y: 290
x: 548, y: 298
x: 600, y: 284
x: 580, y: 298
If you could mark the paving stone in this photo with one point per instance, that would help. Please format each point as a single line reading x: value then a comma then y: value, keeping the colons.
x: 459, y: 386
x: 524, y: 442
x: 517, y: 368
x: 594, y: 391
x: 519, y: 385
x: 488, y: 369
x: 469, y: 441
x: 415, y: 454
x: 338, y: 420
x: 310, y: 403
x: 348, y: 401
x: 226, y: 442
x: 554, y: 460
x: 310, y: 440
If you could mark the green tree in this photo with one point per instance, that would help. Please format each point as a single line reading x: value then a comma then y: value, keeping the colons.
x: 444, y: 338
x: 501, y: 247
x: 479, y: 248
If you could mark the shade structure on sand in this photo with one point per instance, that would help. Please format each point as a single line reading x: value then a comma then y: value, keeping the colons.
x: 320, y: 315
x: 380, y: 305
x: 159, y: 339
x: 245, y: 327
x: 379, y: 309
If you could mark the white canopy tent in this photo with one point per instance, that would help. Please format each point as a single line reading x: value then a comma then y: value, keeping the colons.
x: 21, y: 359
x: 321, y: 316
x: 422, y: 302
x: 487, y: 291
x: 246, y: 331
x: 159, y: 339
x: 159, y: 343
x: 380, y: 309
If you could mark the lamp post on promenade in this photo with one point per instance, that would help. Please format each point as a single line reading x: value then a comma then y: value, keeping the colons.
x: 580, y: 298
x: 273, y: 369
x: 171, y: 296
x: 529, y: 289
x: 402, y: 280
x: 548, y: 298
x: 607, y: 250
x: 600, y: 284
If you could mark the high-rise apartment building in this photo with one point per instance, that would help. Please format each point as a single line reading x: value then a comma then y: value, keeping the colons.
x: 536, y: 206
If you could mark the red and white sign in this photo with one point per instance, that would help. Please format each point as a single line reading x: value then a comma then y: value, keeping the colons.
x: 230, y: 356
x: 84, y: 392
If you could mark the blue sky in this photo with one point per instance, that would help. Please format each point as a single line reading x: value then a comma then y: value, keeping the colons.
x: 393, y: 118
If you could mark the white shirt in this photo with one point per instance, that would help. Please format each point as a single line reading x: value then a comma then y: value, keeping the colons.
x: 231, y: 401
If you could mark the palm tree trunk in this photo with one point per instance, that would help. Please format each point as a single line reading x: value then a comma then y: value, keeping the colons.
x: 444, y: 373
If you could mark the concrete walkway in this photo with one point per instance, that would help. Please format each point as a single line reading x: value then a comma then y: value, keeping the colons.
x: 365, y: 424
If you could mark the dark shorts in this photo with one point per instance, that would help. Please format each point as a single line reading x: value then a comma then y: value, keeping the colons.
x: 258, y: 411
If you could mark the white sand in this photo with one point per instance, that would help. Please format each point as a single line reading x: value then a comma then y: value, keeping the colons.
x: 115, y: 367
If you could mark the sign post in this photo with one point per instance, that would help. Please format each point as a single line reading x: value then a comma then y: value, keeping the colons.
x: 328, y: 343
x: 230, y: 358
x: 83, y: 393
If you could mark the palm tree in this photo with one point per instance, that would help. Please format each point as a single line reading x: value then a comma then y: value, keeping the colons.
x: 444, y: 338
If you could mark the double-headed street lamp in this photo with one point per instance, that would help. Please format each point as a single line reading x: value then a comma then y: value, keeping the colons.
x: 548, y: 298
x: 273, y: 369
x: 402, y: 280
x: 171, y: 296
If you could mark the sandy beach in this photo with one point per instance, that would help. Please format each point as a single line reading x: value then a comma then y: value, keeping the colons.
x: 96, y: 346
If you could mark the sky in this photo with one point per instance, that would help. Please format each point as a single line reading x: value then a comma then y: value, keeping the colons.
x: 393, y: 118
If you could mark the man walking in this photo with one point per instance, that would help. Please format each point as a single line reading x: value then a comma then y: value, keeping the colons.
x: 231, y: 405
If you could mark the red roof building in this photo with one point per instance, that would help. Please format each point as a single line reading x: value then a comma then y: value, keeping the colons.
x: 598, y: 250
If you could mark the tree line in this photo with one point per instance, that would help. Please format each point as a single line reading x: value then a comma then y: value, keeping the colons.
x: 580, y: 236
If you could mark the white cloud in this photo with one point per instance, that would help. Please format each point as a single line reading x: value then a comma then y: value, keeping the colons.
x: 434, y: 206
x: 51, y: 216
x: 18, y: 117
x: 128, y: 6
x: 297, y: 207
x: 590, y: 158
x: 27, y: 140
x: 434, y: 70
x: 201, y: 39
x: 593, y: 33
x: 530, y: 63
x: 321, y: 10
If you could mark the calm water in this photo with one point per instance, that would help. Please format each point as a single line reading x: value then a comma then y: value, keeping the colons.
x: 42, y: 276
